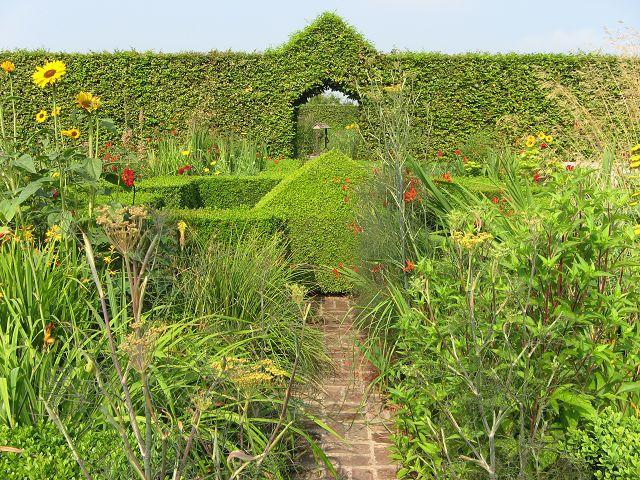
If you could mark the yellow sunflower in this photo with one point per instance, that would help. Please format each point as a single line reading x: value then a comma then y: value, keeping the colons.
x: 88, y: 102
x: 41, y: 116
x: 541, y: 135
x: 548, y: 138
x: 71, y: 133
x: 49, y: 74
x: 55, y: 112
x: 7, y: 66
x: 531, y: 141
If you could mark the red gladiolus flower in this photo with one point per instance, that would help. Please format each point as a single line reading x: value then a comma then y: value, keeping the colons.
x: 128, y: 177
x: 543, y: 146
x: 409, y: 266
x: 537, y: 178
x: 181, y: 171
x: 439, y: 153
x: 410, y: 195
x: 569, y: 168
x: 495, y: 199
x: 458, y: 152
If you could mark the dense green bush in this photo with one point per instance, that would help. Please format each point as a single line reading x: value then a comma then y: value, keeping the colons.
x: 214, y: 192
x: 318, y: 203
x: 258, y: 93
x: 610, y: 443
x: 205, y: 224
x: 46, y: 455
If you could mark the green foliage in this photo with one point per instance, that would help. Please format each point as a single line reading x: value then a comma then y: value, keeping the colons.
x: 258, y: 93
x: 318, y: 203
x: 46, y: 455
x: 610, y: 443
x: 485, y: 372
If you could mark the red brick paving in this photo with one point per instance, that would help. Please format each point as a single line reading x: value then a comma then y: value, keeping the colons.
x: 347, y: 406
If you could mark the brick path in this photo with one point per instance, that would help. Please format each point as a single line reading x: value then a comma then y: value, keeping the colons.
x: 346, y: 406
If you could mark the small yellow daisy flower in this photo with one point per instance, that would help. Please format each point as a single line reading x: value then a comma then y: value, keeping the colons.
x: 7, y: 66
x: 41, y: 116
x: 531, y: 141
x: 185, y: 152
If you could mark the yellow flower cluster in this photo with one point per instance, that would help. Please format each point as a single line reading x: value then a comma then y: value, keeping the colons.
x: 244, y: 374
x: 470, y: 241
x: 352, y: 126
x: 54, y: 234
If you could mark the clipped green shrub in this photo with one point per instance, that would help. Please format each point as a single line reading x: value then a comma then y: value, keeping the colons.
x: 186, y: 192
x: 317, y: 202
x: 46, y: 455
x: 610, y: 444
x: 225, y: 225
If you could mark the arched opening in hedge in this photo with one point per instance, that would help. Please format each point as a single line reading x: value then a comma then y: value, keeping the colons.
x: 331, y: 105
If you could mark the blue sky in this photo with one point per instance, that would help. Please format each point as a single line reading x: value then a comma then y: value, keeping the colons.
x: 449, y: 26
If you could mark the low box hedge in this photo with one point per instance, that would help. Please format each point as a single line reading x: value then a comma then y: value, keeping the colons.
x: 220, y: 192
x: 205, y: 224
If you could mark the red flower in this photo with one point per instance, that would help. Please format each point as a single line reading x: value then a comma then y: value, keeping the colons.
x: 56, y: 194
x: 537, y: 178
x: 188, y: 167
x: 543, y: 146
x: 409, y: 266
x: 376, y: 268
x: 495, y: 199
x: 447, y: 177
x: 465, y: 159
x: 114, y: 168
x: 107, y: 157
x: 569, y: 168
x: 107, y: 145
x: 410, y: 195
x: 336, y: 272
x: 128, y: 177
x: 439, y: 153
x: 458, y: 152
x: 346, y: 180
x: 345, y: 187
x: 181, y: 171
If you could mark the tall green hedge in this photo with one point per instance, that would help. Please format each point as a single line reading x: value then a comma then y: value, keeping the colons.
x: 258, y: 93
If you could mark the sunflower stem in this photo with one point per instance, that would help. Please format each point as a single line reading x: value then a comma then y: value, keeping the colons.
x: 13, y: 108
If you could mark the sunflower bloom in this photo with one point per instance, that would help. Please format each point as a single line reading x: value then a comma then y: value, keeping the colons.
x: 49, y: 74
x: 41, y: 116
x: 88, y: 102
x: 7, y: 66
x: 71, y: 133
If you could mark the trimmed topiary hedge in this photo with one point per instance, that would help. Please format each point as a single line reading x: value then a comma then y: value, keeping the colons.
x: 223, y: 225
x: 210, y: 192
x: 318, y: 203
x: 259, y: 93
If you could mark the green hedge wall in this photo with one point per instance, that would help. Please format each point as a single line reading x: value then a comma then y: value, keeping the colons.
x: 258, y: 93
x: 318, y: 203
